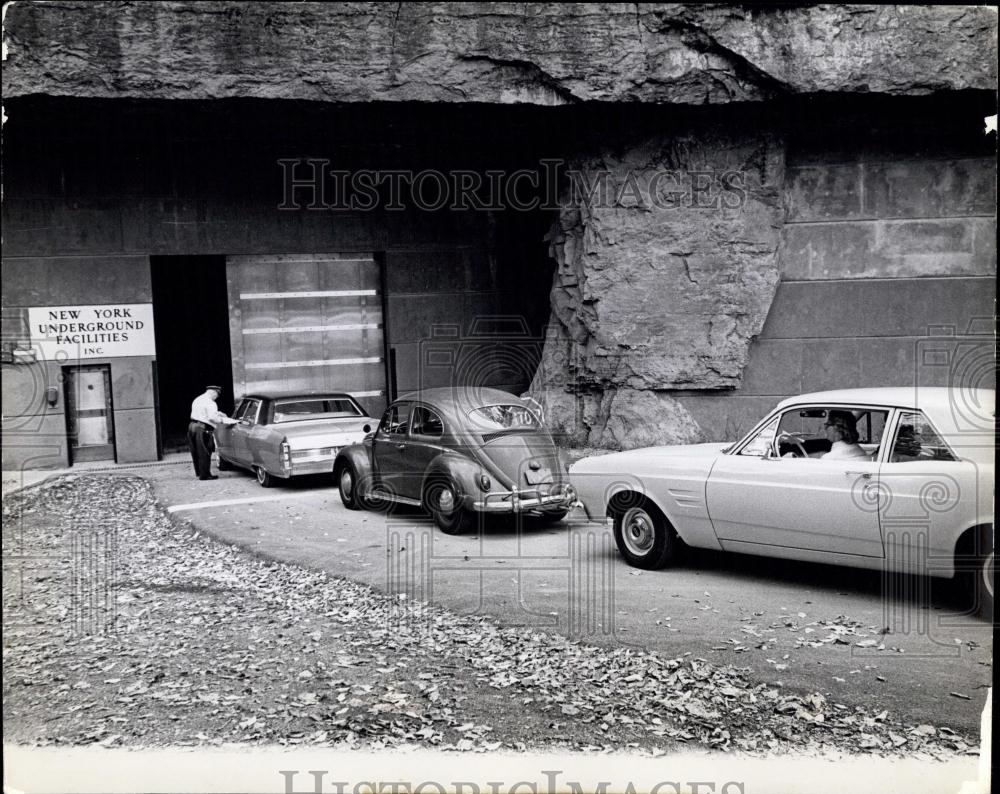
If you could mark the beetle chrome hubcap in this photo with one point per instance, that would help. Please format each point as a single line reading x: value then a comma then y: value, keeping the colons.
x: 346, y: 483
x: 446, y: 500
x: 260, y: 474
x: 637, y: 531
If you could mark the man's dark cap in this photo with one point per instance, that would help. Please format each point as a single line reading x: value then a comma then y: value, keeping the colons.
x: 217, y: 388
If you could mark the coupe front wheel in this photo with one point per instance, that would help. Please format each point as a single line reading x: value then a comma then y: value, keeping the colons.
x: 644, y: 536
x: 443, y: 501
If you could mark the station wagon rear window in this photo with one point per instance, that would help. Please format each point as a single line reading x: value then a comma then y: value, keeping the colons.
x: 493, y: 418
x: 315, y: 408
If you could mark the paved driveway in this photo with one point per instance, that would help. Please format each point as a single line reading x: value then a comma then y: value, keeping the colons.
x: 803, y: 626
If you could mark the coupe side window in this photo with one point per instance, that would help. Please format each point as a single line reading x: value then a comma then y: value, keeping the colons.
x: 426, y: 423
x: 917, y: 440
x: 803, y: 432
x: 761, y: 442
x: 831, y: 432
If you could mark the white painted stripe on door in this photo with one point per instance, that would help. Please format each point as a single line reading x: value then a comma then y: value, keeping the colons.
x: 330, y: 293
x: 309, y: 328
x: 318, y: 362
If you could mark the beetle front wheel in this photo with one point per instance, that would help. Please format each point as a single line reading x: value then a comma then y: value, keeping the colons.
x: 347, y: 484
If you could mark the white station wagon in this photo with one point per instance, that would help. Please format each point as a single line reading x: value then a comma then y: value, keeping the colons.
x: 899, y: 479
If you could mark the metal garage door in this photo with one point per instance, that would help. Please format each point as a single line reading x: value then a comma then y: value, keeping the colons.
x: 308, y: 322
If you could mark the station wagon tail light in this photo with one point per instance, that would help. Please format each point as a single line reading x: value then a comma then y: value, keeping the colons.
x: 485, y: 483
x: 286, y: 455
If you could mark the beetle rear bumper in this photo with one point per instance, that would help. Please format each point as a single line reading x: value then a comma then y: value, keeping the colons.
x: 522, y: 501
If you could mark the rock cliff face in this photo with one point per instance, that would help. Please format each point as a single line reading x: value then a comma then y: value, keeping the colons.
x: 667, y: 264
x: 492, y: 52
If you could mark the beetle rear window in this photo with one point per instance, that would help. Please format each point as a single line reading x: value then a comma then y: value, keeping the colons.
x: 326, y: 408
x: 491, y: 418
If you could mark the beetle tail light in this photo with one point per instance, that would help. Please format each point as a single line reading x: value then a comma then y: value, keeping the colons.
x: 485, y: 483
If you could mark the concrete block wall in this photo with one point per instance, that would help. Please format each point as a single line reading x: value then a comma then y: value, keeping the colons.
x: 888, y: 250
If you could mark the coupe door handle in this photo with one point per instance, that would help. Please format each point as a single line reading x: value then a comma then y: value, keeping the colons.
x: 400, y: 446
x: 866, y: 475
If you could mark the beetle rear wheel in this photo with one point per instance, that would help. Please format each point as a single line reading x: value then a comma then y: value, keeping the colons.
x: 644, y: 536
x: 554, y: 516
x: 443, y: 501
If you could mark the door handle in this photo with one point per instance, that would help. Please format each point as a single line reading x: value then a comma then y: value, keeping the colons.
x: 400, y: 446
x: 865, y: 475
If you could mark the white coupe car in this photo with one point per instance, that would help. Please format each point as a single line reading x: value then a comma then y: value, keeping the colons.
x: 910, y: 490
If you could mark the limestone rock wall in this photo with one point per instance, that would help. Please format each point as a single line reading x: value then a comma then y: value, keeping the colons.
x: 539, y: 53
x: 667, y: 265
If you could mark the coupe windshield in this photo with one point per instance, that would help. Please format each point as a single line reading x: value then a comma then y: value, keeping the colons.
x: 492, y: 418
x: 315, y: 408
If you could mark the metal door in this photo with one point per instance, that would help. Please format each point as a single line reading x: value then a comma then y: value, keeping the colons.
x: 389, y: 448
x: 423, y: 445
x: 89, y: 415
x: 308, y: 322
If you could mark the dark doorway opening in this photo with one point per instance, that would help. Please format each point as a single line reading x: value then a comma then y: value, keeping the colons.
x: 191, y: 314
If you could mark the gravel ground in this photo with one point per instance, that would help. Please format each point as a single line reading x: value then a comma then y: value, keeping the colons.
x: 124, y: 627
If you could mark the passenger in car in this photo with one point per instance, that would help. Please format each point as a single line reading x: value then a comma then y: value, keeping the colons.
x: 907, y: 446
x: 842, y: 431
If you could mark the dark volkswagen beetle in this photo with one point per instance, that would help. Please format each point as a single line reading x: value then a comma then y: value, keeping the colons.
x: 456, y: 452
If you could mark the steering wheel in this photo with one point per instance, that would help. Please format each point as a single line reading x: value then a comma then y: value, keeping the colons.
x: 800, y: 451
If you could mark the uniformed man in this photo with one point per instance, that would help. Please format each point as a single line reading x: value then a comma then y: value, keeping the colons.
x: 205, y: 415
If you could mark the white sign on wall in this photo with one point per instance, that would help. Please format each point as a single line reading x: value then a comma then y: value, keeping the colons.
x: 113, y: 330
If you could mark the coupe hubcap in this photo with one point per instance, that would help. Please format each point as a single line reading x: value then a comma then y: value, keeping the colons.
x: 988, y: 574
x: 346, y: 483
x: 638, y: 532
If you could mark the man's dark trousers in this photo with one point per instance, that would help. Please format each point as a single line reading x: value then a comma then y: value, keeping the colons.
x: 202, y: 442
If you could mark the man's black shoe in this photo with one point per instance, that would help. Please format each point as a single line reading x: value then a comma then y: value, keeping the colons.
x: 210, y: 477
